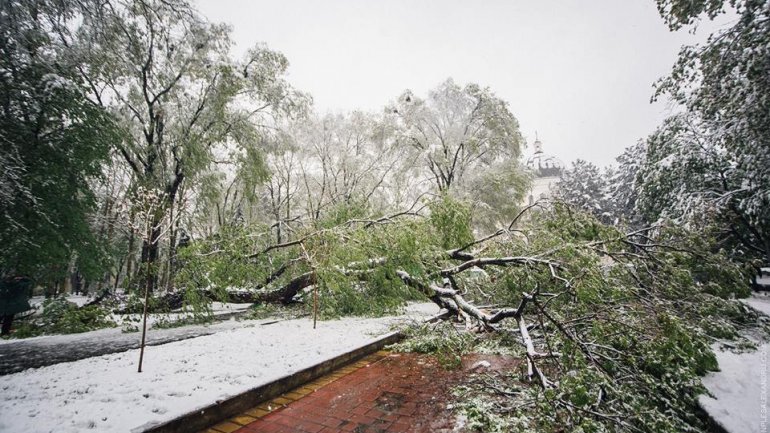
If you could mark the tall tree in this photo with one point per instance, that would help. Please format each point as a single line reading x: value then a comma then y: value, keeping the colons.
x: 584, y: 186
x: 168, y: 75
x: 623, y: 184
x: 53, y: 142
x: 456, y: 130
x: 725, y: 87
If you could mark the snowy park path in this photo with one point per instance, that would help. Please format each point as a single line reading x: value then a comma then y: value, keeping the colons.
x: 105, y: 393
x: 17, y: 355
x: 740, y: 402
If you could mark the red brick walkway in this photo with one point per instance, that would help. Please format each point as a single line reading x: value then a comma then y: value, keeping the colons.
x: 382, y: 393
x: 398, y: 393
x: 404, y: 393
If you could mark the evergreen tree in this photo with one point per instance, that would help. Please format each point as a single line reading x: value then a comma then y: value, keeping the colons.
x: 622, y: 185
x: 584, y: 187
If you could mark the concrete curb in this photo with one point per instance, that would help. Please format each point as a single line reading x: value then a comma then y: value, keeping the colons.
x: 224, y: 409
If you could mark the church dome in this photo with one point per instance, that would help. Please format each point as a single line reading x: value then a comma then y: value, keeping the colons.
x: 543, y: 164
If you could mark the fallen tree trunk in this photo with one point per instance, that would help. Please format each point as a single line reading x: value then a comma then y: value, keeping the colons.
x: 453, y: 301
x: 284, y: 295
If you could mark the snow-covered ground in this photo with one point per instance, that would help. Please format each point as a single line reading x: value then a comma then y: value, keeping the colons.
x: 18, y: 355
x: 217, y: 309
x: 106, y: 394
x: 741, y: 399
x: 79, y: 300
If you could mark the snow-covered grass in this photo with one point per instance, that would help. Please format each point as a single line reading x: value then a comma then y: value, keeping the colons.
x: 217, y: 309
x: 79, y: 300
x: 133, y: 322
x: 740, y: 389
x: 106, y: 393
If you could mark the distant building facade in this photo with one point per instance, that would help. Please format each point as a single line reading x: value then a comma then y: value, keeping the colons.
x: 546, y: 170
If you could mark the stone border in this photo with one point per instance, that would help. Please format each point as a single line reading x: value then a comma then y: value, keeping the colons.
x: 224, y: 409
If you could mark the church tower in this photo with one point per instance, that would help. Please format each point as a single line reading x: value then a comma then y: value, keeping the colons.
x: 546, y: 170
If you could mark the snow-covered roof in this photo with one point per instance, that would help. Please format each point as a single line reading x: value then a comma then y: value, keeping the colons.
x: 543, y: 164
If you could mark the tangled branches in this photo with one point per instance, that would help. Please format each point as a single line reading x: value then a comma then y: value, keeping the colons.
x: 614, y: 328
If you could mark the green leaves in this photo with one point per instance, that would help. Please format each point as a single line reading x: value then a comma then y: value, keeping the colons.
x: 54, y: 142
x: 680, y: 13
x: 60, y: 316
x: 713, y: 159
x: 452, y: 220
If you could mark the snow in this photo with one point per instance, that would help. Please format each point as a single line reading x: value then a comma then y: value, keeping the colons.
x: 759, y: 301
x: 740, y: 402
x: 763, y: 279
x: 79, y: 300
x: 666, y: 162
x: 106, y: 394
x: 740, y: 388
x: 217, y: 309
x: 54, y: 82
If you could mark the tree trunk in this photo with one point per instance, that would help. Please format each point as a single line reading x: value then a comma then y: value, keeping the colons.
x: 130, y: 256
x: 171, y: 245
x: 150, y: 250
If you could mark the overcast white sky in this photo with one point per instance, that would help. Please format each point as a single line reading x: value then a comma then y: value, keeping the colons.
x: 579, y: 72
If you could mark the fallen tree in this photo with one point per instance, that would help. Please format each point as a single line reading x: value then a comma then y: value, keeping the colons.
x: 614, y: 328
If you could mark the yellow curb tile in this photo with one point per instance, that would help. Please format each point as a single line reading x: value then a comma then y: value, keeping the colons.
x: 280, y: 401
x: 209, y: 430
x: 226, y: 427
x: 257, y: 412
x: 294, y: 395
x: 301, y: 391
x: 242, y: 419
x: 267, y: 407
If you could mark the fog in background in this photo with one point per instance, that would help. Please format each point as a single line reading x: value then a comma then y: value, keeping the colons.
x: 580, y: 73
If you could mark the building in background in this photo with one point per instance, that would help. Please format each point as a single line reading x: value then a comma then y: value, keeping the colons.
x: 546, y: 170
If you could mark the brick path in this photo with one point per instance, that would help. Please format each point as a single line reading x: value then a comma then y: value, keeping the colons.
x: 383, y: 393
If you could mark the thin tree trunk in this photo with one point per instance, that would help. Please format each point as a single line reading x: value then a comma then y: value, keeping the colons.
x: 147, y: 290
x: 150, y: 252
x: 130, y: 255
x: 171, y: 242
